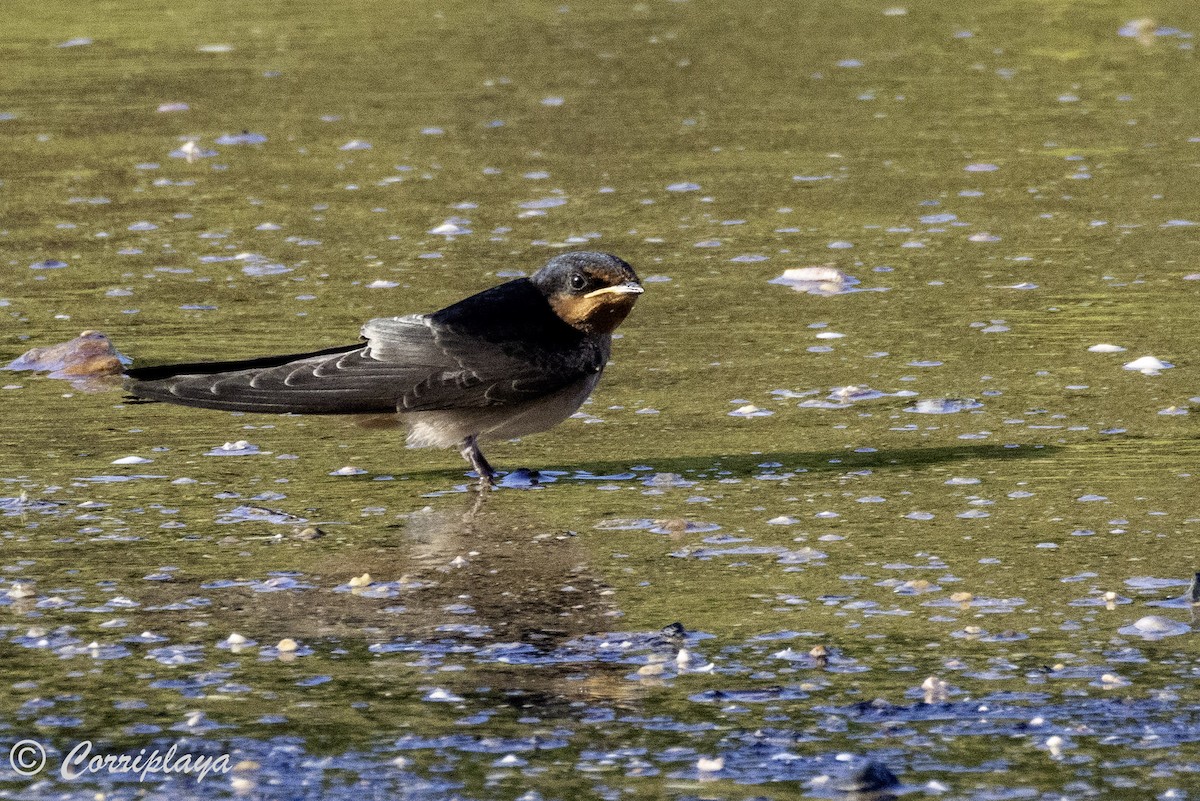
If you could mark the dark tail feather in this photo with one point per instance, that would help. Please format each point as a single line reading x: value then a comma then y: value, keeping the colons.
x: 162, y: 371
x: 341, y: 380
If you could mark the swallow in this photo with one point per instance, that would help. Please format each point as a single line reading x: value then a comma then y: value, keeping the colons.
x: 512, y: 360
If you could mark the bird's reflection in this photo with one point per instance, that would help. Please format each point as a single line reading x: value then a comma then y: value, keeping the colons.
x: 476, y: 570
x: 524, y: 581
x: 475, y: 582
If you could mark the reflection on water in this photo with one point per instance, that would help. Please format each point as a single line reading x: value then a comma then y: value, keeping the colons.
x: 470, y: 633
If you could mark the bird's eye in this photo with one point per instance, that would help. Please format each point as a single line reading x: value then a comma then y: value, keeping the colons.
x: 578, y: 282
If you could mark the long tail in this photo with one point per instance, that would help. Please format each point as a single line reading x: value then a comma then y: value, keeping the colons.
x: 342, y: 380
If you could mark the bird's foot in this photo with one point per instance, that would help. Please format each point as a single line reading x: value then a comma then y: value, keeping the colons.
x: 470, y: 451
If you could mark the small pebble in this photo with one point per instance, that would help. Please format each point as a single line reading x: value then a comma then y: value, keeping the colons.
x: 871, y: 777
x: 674, y: 631
x: 21, y: 590
x: 307, y: 533
x: 675, y: 525
x: 936, y: 690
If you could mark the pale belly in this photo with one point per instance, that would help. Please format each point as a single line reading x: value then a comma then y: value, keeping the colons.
x: 445, y: 429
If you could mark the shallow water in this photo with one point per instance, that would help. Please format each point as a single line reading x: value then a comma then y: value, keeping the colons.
x: 936, y: 474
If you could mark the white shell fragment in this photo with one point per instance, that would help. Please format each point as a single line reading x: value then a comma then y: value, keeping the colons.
x: 750, y: 410
x: 451, y: 227
x: 239, y: 448
x: 132, y: 460
x: 854, y: 392
x: 1148, y: 365
x: 189, y: 151
x: 1104, y: 347
x: 817, y: 280
x: 943, y: 405
x: 1155, y: 627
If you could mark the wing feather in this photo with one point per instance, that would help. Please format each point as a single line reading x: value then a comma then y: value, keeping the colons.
x: 411, y: 363
x: 465, y: 370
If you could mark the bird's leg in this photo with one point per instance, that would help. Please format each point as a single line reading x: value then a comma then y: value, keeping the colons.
x: 470, y: 451
x: 476, y: 506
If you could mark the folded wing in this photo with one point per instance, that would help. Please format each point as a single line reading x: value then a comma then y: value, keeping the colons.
x: 408, y: 363
x: 461, y: 370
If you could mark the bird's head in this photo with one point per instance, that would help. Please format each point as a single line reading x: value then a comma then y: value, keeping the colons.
x: 592, y: 292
